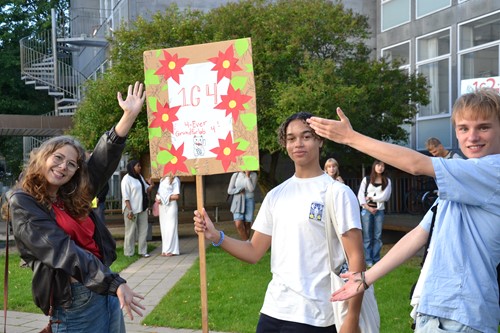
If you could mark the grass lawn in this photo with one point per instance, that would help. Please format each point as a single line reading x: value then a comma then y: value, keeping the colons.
x: 236, y: 292
x: 20, y: 298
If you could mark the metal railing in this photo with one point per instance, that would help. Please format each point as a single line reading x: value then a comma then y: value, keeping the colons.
x: 37, y: 65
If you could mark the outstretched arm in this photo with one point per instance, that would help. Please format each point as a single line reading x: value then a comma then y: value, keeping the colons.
x: 250, y: 252
x: 404, y: 249
x: 403, y: 158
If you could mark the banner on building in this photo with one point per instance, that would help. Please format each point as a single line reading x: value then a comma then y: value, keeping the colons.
x: 471, y: 85
x: 202, y: 117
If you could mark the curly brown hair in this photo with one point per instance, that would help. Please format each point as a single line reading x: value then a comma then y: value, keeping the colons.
x: 283, y: 127
x: 76, y: 194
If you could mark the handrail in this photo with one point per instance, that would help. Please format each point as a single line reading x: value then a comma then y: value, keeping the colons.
x: 36, y: 64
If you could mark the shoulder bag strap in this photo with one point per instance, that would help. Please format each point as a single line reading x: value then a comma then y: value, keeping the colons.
x: 331, y: 226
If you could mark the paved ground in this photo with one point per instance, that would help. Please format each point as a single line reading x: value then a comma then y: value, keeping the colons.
x: 153, y: 277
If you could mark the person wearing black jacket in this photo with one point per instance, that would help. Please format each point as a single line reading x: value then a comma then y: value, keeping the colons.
x: 65, y: 243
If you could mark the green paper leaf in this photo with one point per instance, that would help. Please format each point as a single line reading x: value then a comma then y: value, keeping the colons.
x: 163, y: 157
x: 241, y: 46
x: 193, y: 171
x: 154, y: 132
x: 154, y: 165
x: 150, y: 77
x: 242, y: 144
x: 238, y: 82
x: 250, y: 163
x: 249, y: 68
x: 152, y: 103
x: 249, y: 120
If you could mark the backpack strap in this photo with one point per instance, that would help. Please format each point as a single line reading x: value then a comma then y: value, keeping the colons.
x: 426, y: 249
x: 367, y: 178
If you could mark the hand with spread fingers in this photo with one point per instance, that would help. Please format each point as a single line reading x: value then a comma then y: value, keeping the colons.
x: 129, y: 300
x: 336, y: 130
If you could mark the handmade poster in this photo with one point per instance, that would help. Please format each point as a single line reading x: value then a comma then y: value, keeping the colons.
x: 202, y: 117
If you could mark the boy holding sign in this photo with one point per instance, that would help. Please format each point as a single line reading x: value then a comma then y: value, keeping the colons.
x: 291, y: 221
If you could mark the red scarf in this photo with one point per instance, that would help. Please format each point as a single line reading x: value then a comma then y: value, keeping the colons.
x: 81, y: 232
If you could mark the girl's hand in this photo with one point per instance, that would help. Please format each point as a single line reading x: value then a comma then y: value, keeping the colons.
x: 131, y: 107
x: 129, y: 300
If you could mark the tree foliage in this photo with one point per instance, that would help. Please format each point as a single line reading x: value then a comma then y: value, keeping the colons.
x: 19, y: 19
x: 308, y: 56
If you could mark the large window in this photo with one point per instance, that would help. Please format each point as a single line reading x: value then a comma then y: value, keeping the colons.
x: 400, y: 52
x: 479, y: 32
x: 395, y: 13
x: 426, y: 7
x: 479, y: 42
x: 433, y: 61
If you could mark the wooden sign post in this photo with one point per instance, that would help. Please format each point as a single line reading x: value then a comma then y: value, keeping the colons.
x: 202, y: 117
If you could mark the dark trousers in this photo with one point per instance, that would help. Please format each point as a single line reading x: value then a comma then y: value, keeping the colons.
x: 272, y: 325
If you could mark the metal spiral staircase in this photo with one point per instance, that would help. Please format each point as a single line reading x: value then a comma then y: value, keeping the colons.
x: 46, y: 58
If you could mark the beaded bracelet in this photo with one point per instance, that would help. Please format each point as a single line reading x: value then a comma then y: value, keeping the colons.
x: 221, y: 233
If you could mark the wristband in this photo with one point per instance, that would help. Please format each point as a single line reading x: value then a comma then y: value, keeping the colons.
x: 221, y: 233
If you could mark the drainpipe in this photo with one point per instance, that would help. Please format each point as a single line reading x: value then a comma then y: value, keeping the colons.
x: 54, y: 55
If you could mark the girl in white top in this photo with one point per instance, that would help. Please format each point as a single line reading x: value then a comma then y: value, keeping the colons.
x: 168, y: 195
x: 373, y: 192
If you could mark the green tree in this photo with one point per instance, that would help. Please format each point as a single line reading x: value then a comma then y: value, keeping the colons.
x: 308, y: 55
x: 21, y: 19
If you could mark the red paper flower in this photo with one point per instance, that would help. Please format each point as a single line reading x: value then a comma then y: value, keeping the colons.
x: 233, y: 102
x: 164, y: 117
x: 171, y: 66
x: 227, y: 151
x: 177, y: 161
x: 225, y: 64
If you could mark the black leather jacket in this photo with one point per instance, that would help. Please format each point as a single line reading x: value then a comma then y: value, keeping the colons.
x: 52, y: 255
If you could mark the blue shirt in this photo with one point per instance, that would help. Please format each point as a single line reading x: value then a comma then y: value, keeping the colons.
x: 465, y: 249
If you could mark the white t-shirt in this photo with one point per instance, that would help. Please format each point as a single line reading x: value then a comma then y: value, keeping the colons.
x: 292, y: 213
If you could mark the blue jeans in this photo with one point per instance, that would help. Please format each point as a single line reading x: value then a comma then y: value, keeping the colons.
x: 249, y: 209
x: 431, y: 324
x: 372, y: 235
x: 89, y: 312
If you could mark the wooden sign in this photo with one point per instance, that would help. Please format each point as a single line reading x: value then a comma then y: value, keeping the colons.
x: 201, y: 105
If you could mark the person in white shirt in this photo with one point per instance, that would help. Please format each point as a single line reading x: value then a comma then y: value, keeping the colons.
x: 168, y: 195
x: 135, y: 202
x: 291, y: 222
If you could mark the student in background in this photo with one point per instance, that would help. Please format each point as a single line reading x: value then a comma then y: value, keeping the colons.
x: 135, y: 202
x: 332, y: 169
x: 168, y: 194
x: 436, y: 148
x: 242, y: 187
x: 373, y: 192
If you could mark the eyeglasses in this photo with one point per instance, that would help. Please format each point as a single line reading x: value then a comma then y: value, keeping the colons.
x: 58, y: 159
